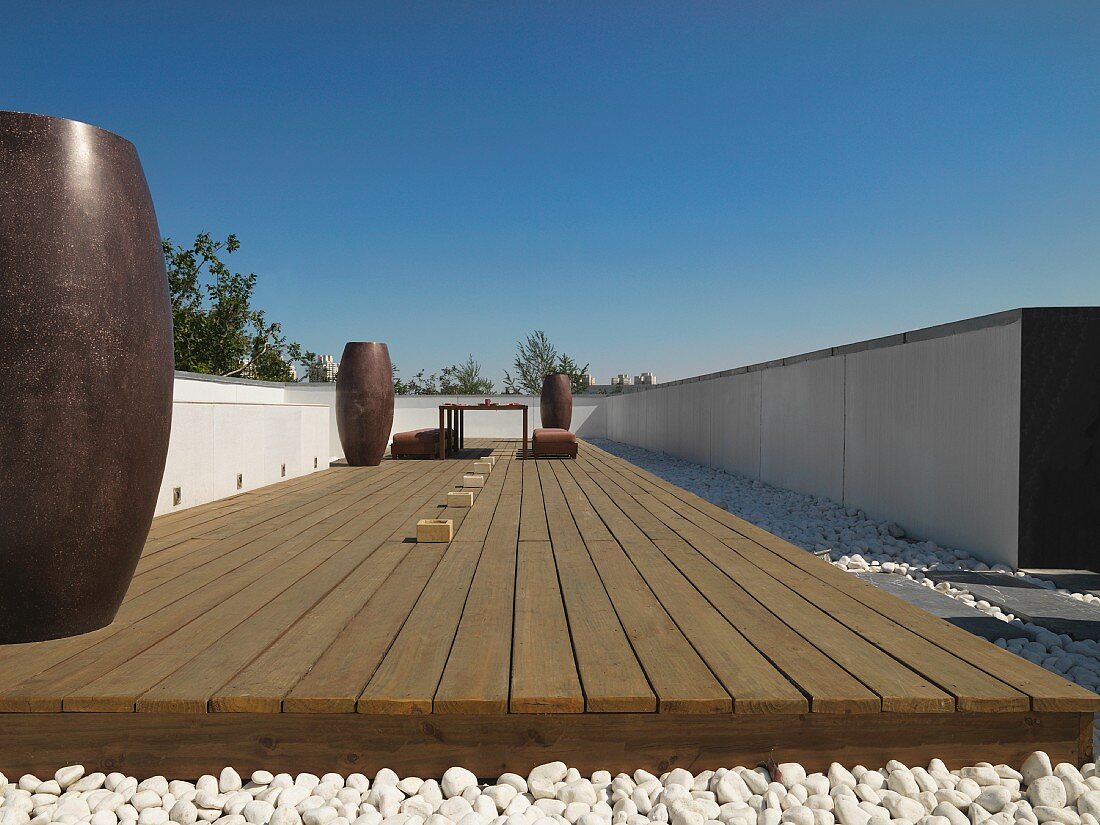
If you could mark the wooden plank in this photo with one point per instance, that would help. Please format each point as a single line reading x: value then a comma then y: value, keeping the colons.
x: 193, y: 520
x: 250, y: 609
x: 156, y: 555
x: 56, y: 670
x: 339, y: 675
x: 260, y: 686
x: 58, y: 667
x: 753, y: 682
x: 611, y: 677
x: 901, y: 689
x: 192, y: 745
x: 476, y: 676
x: 183, y: 521
x: 676, y: 673
x: 190, y: 688
x: 589, y: 524
x: 188, y: 558
x: 682, y: 680
x: 253, y: 516
x: 544, y: 675
x: 407, y: 679
x: 475, y: 527
x: 1048, y: 691
x: 973, y: 690
x: 830, y: 688
x: 532, y: 524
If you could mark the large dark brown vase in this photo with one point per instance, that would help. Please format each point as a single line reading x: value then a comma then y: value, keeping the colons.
x: 364, y: 402
x: 556, y: 402
x: 86, y: 383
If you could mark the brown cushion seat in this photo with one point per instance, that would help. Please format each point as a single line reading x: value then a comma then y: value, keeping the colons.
x: 552, y: 435
x: 552, y: 441
x: 423, y: 442
x: 427, y: 435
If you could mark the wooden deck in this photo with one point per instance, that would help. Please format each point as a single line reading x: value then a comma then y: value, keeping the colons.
x: 586, y: 610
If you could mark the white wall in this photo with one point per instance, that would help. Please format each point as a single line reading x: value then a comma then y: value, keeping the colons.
x: 925, y: 432
x: 802, y: 427
x: 221, y: 428
x: 933, y: 436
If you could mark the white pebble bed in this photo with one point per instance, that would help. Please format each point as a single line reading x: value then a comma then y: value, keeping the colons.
x: 553, y: 794
x: 854, y: 542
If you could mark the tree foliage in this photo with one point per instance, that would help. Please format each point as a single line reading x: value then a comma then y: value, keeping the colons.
x: 419, y: 384
x: 216, y: 329
x: 458, y: 379
x: 465, y: 379
x: 536, y: 358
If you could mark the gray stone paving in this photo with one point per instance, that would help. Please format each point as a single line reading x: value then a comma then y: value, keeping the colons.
x: 1079, y: 581
x: 948, y: 609
x: 1057, y: 613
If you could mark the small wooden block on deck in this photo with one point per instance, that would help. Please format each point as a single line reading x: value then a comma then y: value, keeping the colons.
x: 483, y: 467
x: 460, y: 498
x: 473, y: 480
x: 435, y: 530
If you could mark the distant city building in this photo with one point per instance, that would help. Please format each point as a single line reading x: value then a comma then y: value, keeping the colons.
x: 291, y: 373
x: 619, y: 384
x: 323, y: 370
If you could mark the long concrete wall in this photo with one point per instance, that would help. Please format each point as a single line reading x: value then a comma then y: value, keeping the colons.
x: 922, y: 429
x: 223, y: 428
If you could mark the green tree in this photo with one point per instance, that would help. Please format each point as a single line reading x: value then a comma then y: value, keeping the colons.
x: 465, y: 379
x: 216, y: 329
x: 419, y: 384
x: 537, y: 358
x: 577, y: 374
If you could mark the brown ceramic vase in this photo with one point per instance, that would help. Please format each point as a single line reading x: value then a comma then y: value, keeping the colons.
x: 556, y: 401
x: 364, y: 402
x: 86, y: 387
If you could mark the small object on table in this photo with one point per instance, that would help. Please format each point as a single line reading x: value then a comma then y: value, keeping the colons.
x: 434, y: 530
x: 483, y: 467
x: 473, y: 480
x: 460, y: 498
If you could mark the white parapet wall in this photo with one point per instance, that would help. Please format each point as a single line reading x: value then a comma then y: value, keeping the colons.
x: 269, y: 432
x: 225, y: 428
x: 921, y: 428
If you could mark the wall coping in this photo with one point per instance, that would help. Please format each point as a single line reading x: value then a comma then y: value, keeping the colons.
x: 252, y: 404
x: 229, y: 379
x: 996, y: 319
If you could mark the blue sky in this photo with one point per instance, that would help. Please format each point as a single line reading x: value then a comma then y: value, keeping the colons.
x: 678, y: 187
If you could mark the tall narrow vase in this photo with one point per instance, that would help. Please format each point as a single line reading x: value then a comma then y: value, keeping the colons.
x: 364, y: 402
x: 556, y: 402
x: 86, y: 383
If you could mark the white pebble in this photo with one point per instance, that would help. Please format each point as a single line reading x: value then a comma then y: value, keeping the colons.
x: 68, y: 775
x: 456, y: 780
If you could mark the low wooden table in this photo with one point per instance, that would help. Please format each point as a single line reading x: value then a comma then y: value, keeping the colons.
x: 453, y: 417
